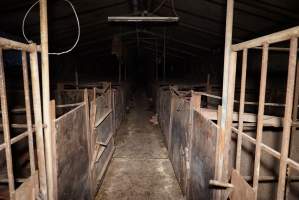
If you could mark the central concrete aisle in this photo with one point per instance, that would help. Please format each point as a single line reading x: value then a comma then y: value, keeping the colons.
x: 140, y: 168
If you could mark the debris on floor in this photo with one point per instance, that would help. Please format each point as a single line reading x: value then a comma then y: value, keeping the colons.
x: 154, y: 120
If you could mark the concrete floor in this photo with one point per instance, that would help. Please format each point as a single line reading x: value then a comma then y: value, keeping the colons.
x: 140, y: 168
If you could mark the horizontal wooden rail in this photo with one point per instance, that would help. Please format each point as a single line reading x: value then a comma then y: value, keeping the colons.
x: 264, y: 147
x: 11, y: 44
x: 15, y: 139
x: 270, y: 39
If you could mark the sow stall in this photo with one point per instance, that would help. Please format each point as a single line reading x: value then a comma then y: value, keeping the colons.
x: 191, y: 130
x: 107, y: 110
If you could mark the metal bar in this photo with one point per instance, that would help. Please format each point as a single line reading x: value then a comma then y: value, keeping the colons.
x: 272, y: 38
x: 241, y: 109
x: 5, y: 121
x: 287, y: 120
x: 28, y: 112
x: 260, y: 116
x: 46, y: 95
x: 157, y: 64
x: 164, y: 55
x: 141, y: 19
x: 38, y: 122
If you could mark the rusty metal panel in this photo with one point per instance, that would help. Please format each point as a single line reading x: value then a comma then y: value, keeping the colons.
x: 178, y: 139
x: 71, y: 146
x: 101, y: 165
x: 119, y: 105
x: 202, y: 161
x: 164, y: 101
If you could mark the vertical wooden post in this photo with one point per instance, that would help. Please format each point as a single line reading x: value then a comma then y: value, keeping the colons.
x: 227, y: 54
x: 287, y: 120
x: 28, y: 112
x: 38, y: 122
x: 6, y: 131
x: 226, y: 132
x: 46, y: 94
x: 241, y: 109
x: 293, y: 130
x: 54, y: 136
x: 260, y: 118
x: 227, y: 100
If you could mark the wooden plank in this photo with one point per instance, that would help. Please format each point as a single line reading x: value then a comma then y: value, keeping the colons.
x: 269, y: 120
x: 272, y: 38
x: 242, y: 190
x: 6, y: 130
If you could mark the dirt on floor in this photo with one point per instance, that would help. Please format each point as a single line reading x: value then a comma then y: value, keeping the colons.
x: 140, y: 168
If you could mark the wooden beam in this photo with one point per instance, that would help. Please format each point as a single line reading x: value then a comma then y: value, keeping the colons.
x: 37, y: 108
x: 6, y: 131
x: 46, y: 95
x: 287, y: 122
x: 241, y: 109
x: 260, y: 118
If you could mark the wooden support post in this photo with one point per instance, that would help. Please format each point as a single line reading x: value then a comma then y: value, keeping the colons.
x: 293, y: 130
x: 38, y: 122
x: 226, y: 132
x: 28, y: 112
x: 54, y: 153
x: 46, y: 95
x: 227, y: 54
x: 6, y: 131
x: 260, y: 116
x: 287, y: 120
x: 227, y: 100
x: 241, y: 109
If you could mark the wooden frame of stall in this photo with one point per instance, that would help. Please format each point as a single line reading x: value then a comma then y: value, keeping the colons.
x: 32, y: 187
x: 290, y: 111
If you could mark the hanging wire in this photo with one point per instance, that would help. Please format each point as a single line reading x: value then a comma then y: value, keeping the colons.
x: 78, y: 25
x: 173, y: 8
x: 159, y: 6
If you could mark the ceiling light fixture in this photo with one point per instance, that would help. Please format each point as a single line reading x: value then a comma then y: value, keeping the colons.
x: 142, y: 19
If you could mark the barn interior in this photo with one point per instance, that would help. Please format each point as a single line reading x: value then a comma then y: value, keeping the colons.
x: 149, y: 99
